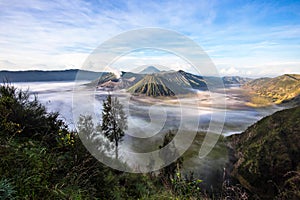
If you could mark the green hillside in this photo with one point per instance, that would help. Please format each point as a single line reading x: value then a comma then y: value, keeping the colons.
x: 275, y: 90
x: 268, y: 156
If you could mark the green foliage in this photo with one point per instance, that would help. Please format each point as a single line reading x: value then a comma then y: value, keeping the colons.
x: 6, y: 190
x: 51, y: 162
x: 267, y: 151
x: 22, y: 117
x: 186, y: 187
x: 32, y: 167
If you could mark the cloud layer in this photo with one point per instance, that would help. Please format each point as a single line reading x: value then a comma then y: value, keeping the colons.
x: 241, y: 37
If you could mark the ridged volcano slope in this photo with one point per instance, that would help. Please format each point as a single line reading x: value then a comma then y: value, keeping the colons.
x: 169, y: 83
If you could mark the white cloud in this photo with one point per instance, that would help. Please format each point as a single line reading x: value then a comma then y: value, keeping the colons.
x: 36, y: 32
x: 229, y: 71
x: 57, y: 34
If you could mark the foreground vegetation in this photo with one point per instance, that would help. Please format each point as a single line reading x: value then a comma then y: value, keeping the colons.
x: 42, y: 159
x: 268, y: 156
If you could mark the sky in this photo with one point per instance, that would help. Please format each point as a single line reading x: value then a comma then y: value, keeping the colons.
x: 246, y: 38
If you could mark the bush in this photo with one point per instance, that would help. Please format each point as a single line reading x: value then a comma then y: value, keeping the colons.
x: 24, y: 117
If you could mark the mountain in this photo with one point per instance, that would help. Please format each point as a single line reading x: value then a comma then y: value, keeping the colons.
x: 268, y: 156
x: 162, y: 83
x: 104, y: 80
x: 295, y: 101
x: 58, y: 75
x: 128, y: 79
x: 112, y: 82
x: 168, y: 84
x: 151, y: 85
x: 149, y: 70
x: 107, y: 77
x: 235, y: 80
x: 276, y: 90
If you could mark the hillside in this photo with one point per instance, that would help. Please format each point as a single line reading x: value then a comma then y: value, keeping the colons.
x: 38, y: 75
x: 235, y: 80
x: 268, y: 156
x: 110, y: 80
x: 128, y: 79
x: 168, y: 84
x: 107, y: 77
x: 151, y: 85
x: 275, y: 90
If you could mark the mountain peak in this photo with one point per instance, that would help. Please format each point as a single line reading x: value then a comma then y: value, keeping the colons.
x: 149, y: 70
x: 168, y: 83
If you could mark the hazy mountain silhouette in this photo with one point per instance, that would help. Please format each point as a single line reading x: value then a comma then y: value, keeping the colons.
x: 149, y: 70
x: 58, y: 75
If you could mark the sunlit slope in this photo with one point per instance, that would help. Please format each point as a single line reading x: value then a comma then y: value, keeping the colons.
x: 276, y: 90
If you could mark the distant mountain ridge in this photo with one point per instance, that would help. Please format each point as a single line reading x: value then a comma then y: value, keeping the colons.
x: 57, y: 75
x: 235, y: 80
x: 162, y: 83
x: 111, y: 82
x: 278, y: 89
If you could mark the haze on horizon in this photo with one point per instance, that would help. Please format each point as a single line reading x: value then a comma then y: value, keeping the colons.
x: 246, y: 38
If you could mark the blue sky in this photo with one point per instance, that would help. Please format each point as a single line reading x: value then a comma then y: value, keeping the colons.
x: 248, y: 38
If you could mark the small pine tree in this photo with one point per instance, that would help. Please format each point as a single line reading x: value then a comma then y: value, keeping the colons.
x: 114, y: 121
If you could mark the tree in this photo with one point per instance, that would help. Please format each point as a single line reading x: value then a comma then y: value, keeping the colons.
x: 93, y: 137
x: 169, y: 172
x: 114, y: 121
